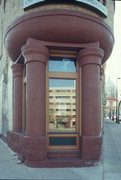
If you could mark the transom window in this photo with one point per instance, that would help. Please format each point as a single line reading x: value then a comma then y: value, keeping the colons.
x: 62, y: 64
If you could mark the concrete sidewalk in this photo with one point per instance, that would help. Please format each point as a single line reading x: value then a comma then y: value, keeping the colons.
x: 110, y: 169
x: 112, y: 150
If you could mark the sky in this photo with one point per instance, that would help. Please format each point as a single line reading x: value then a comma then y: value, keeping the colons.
x: 113, y: 67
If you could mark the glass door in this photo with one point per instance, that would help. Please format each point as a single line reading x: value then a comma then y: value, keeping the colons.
x: 63, y: 81
x: 62, y: 105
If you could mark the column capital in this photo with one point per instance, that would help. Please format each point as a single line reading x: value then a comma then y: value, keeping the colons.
x: 90, y: 55
x: 34, y: 52
x: 17, y: 70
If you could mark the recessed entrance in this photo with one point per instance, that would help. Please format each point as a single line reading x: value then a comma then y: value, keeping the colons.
x: 63, y: 114
x: 61, y: 80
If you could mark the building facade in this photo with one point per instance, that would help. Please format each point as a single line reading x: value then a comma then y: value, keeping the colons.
x: 52, y: 54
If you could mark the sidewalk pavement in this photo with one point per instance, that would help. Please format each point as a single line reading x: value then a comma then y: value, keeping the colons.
x: 109, y: 169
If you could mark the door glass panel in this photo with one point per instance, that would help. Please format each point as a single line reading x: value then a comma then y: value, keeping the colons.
x: 62, y: 105
x: 62, y: 64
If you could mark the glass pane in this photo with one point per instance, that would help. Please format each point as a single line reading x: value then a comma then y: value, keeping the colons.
x: 62, y: 64
x: 62, y: 105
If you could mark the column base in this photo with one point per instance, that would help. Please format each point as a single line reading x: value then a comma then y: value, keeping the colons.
x: 91, y: 148
x: 32, y: 151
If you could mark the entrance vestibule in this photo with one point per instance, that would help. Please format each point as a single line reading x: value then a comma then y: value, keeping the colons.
x: 61, y: 86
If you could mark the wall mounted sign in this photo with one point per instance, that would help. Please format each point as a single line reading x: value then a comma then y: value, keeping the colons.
x: 29, y: 3
x: 96, y: 5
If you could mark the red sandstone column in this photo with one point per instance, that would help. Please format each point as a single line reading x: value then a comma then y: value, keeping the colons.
x: 17, y: 96
x: 36, y: 57
x: 90, y: 60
